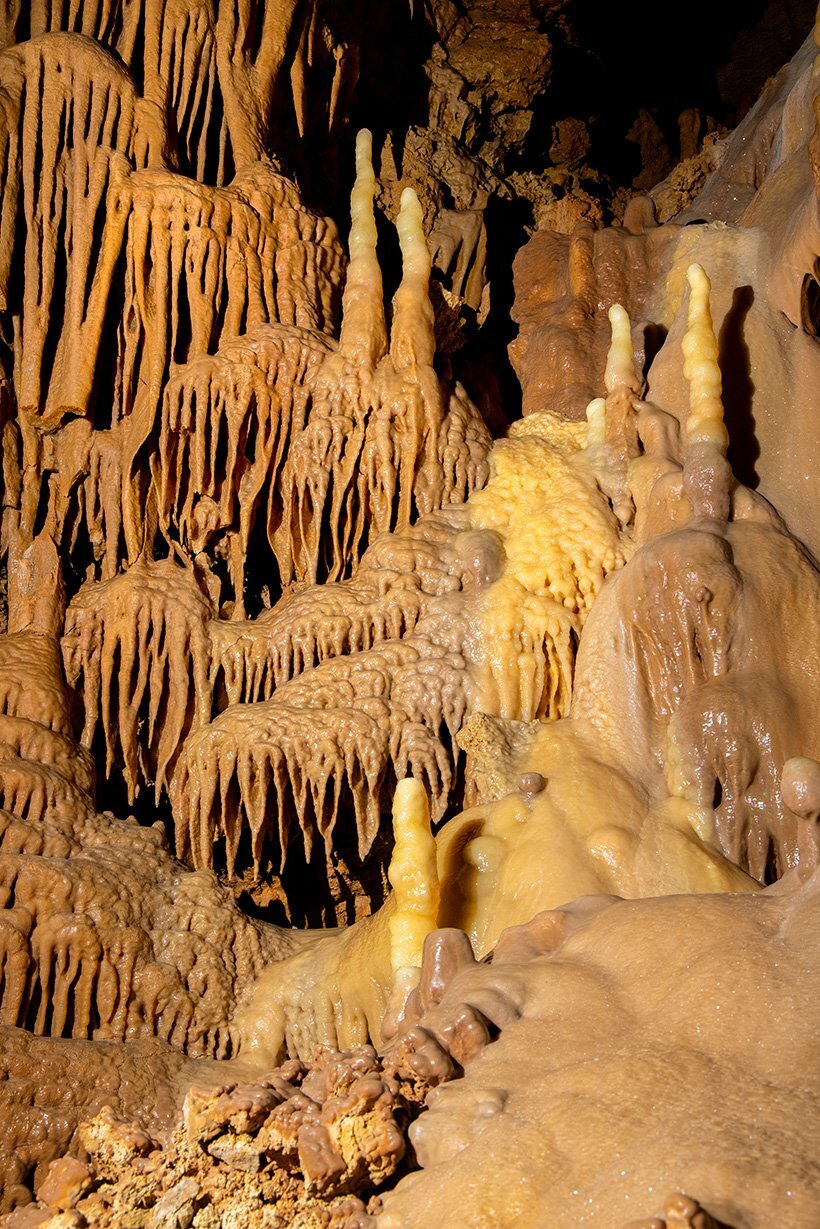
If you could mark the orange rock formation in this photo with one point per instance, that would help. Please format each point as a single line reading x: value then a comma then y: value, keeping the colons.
x: 270, y: 584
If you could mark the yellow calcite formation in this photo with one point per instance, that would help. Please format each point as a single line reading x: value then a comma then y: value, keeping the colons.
x: 596, y: 422
x: 363, y: 332
x: 413, y: 342
x: 705, y: 423
x: 560, y: 540
x: 620, y: 363
x: 413, y: 875
x: 590, y: 830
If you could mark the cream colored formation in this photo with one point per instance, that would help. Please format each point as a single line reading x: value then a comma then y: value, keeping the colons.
x: 264, y: 560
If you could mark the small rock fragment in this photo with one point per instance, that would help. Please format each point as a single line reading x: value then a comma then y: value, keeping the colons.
x: 66, y: 1181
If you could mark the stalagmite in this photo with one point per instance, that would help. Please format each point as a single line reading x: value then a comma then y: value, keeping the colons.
x: 616, y: 420
x: 705, y: 423
x: 707, y: 476
x: 381, y: 446
x: 414, y: 878
x: 620, y: 362
x: 363, y: 335
x: 596, y: 422
x: 412, y: 337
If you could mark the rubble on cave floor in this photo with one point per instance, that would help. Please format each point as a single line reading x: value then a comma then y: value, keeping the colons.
x: 302, y: 1147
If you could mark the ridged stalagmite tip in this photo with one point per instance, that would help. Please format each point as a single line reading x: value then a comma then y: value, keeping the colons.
x: 705, y: 424
x: 620, y: 362
x: 596, y: 422
x: 412, y: 337
x: 363, y: 335
x: 413, y: 874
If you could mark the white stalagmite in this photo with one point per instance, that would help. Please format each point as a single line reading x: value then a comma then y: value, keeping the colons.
x: 612, y: 432
x: 412, y: 336
x: 705, y: 423
x: 413, y: 874
x: 596, y: 422
x: 363, y: 334
x: 620, y: 361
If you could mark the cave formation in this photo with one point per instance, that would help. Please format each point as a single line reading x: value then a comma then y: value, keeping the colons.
x: 409, y: 667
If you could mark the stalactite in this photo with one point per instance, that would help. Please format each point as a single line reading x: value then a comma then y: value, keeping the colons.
x: 335, y: 728
x: 201, y: 263
x: 398, y: 576
x: 100, y: 934
x: 37, y: 792
x: 169, y: 48
x: 304, y: 629
x: 97, y: 19
x: 179, y: 78
x: 221, y: 99
x: 137, y: 647
x: 70, y: 126
x: 225, y: 424
x: 253, y: 42
x: 131, y: 671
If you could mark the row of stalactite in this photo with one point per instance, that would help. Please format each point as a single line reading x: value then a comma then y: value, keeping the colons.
x: 204, y: 427
x: 226, y: 414
x: 210, y: 72
x: 100, y: 936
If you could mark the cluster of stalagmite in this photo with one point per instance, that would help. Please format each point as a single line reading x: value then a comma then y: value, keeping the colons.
x: 664, y: 777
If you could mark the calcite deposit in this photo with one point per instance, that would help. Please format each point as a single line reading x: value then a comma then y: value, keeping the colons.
x: 408, y: 810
